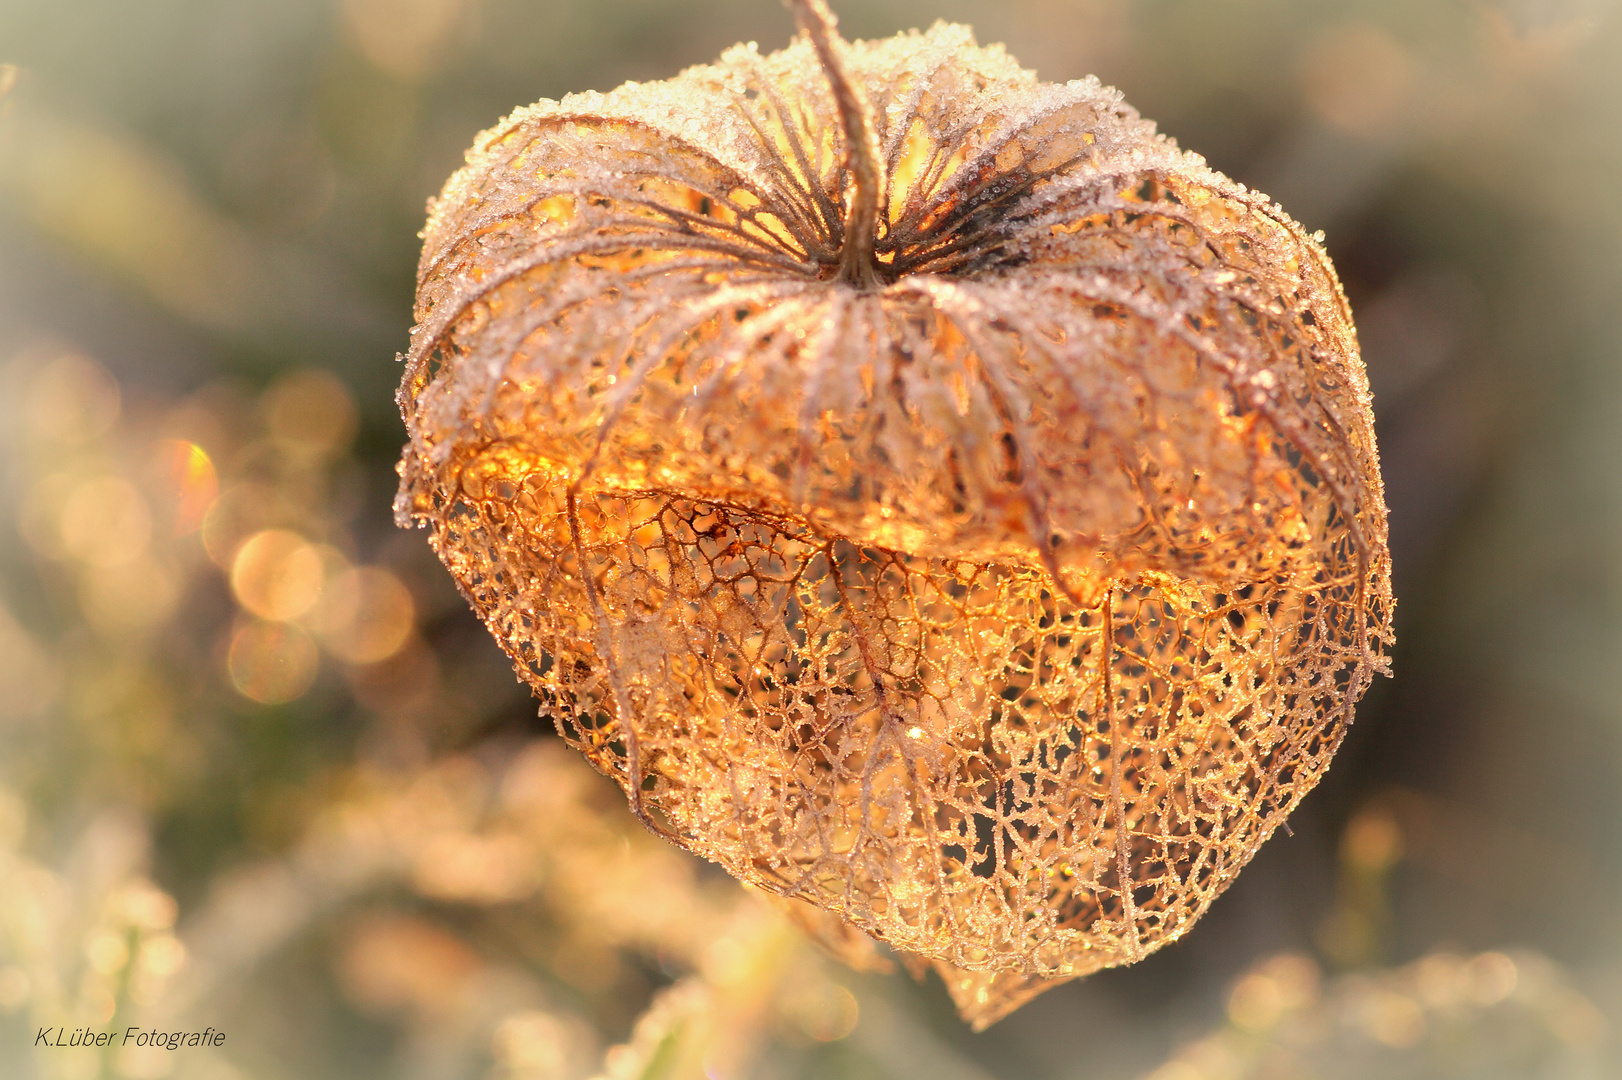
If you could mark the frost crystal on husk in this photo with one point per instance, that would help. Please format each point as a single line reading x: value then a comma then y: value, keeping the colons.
x: 1002, y: 604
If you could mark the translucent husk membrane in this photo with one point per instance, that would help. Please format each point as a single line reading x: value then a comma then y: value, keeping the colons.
x: 1000, y: 603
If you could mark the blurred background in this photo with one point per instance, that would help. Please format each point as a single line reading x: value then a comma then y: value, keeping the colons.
x: 262, y: 770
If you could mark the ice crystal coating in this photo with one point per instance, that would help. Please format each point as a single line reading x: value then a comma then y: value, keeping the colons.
x: 998, y: 590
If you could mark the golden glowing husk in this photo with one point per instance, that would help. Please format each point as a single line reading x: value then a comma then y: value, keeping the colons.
x: 998, y: 589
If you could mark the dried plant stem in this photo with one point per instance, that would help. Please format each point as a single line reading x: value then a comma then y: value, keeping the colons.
x: 856, y: 264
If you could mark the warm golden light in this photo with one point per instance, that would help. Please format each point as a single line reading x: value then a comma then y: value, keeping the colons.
x: 72, y: 400
x: 105, y: 521
x: 406, y: 38
x: 188, y: 482
x: 987, y: 548
x: 1357, y: 77
x: 310, y: 412
x: 277, y: 574
x: 128, y: 597
x: 824, y: 1011
x: 366, y: 615
x: 237, y: 514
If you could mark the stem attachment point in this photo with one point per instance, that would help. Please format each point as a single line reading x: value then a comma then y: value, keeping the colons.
x: 856, y: 263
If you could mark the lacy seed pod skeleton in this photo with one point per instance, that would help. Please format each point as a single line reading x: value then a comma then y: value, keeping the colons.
x: 928, y: 492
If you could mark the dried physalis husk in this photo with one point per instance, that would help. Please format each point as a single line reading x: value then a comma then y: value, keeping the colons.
x: 927, y: 491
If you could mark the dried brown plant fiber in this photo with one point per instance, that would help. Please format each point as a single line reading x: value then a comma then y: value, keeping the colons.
x: 927, y: 491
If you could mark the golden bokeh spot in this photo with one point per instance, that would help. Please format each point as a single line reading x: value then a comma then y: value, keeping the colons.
x: 472, y: 869
x: 821, y: 1010
x: 1265, y: 996
x: 403, y: 684
x: 310, y: 412
x: 144, y: 905
x: 187, y: 481
x: 277, y: 574
x: 15, y: 988
x: 1491, y: 977
x: 107, y: 952
x: 408, y: 39
x: 71, y: 400
x: 272, y: 662
x: 237, y: 514
x: 366, y: 615
x: 129, y: 597
x: 105, y: 521
x: 400, y: 963
x: 1392, y: 1018
x: 1357, y: 78
x: 1372, y: 842
x: 534, y: 1043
